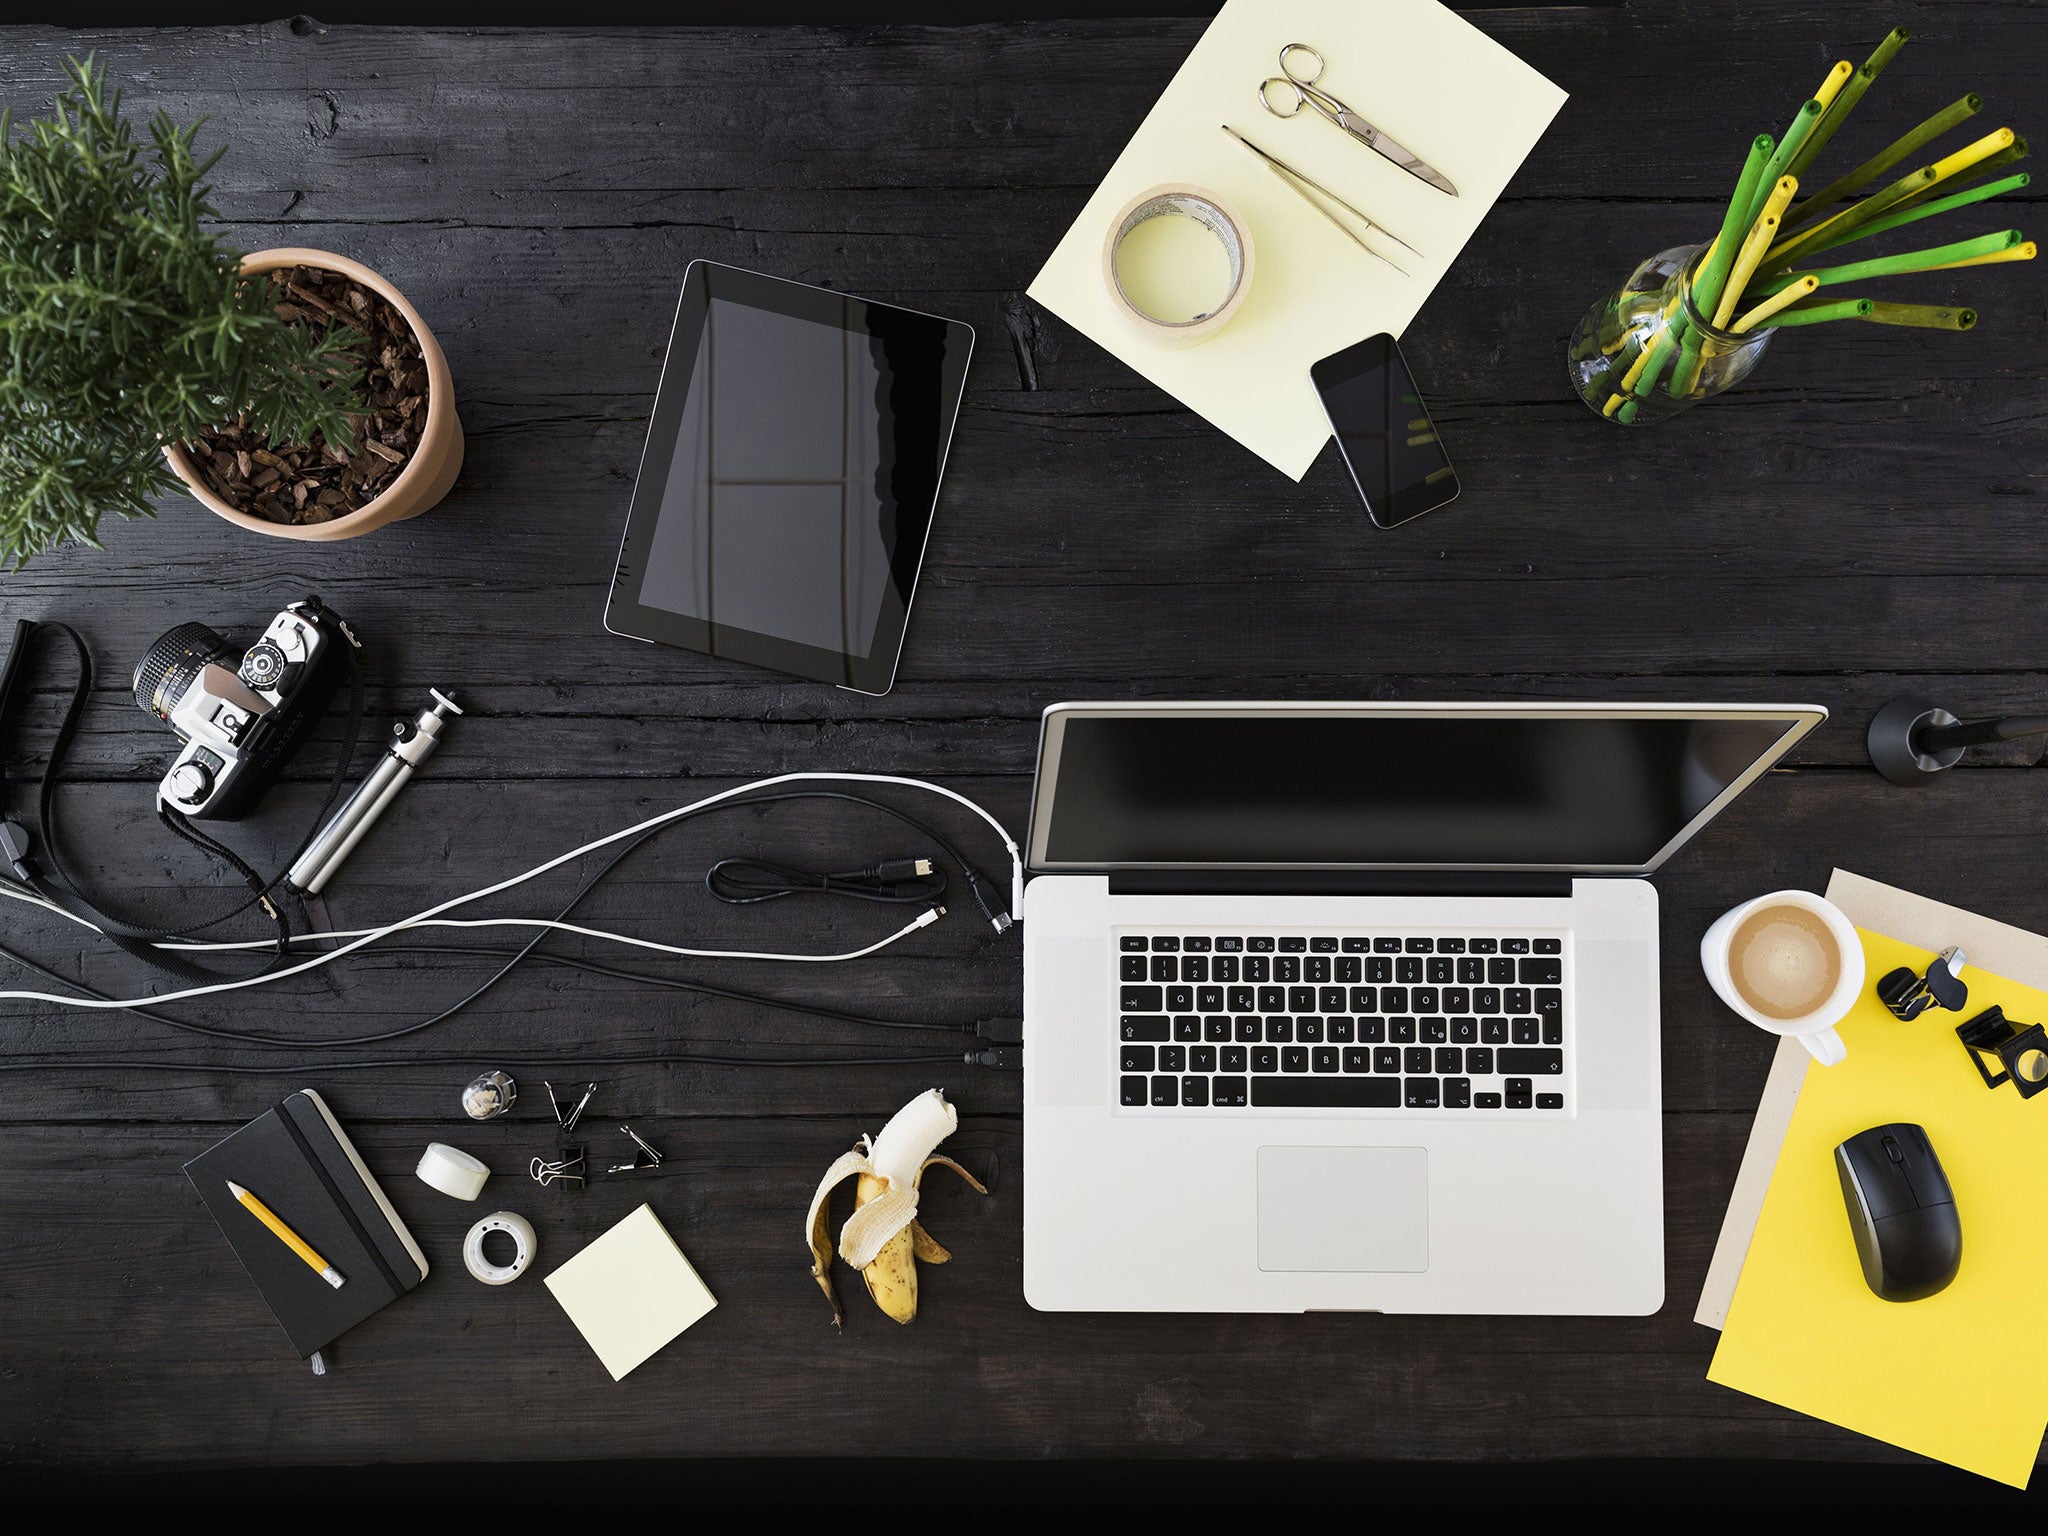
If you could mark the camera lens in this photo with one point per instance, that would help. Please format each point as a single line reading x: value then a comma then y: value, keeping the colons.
x: 169, y: 666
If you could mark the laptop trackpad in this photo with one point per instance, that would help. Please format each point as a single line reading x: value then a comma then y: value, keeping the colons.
x: 1344, y: 1209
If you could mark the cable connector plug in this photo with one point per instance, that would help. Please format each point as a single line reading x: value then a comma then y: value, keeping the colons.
x: 1001, y: 1031
x: 1004, y: 1058
x: 891, y: 870
x: 927, y: 917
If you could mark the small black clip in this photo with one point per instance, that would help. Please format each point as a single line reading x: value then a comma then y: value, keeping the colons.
x: 1908, y: 995
x: 2021, y: 1050
x: 567, y: 1111
x: 645, y: 1158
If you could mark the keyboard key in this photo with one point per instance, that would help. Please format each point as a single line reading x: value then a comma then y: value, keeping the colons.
x: 1393, y: 1000
x: 1194, y: 968
x: 1423, y: 999
x: 1165, y: 1092
x: 1308, y: 1030
x: 1525, y: 1031
x: 1550, y: 1101
x: 1550, y: 946
x: 1516, y: 1000
x: 1293, y: 946
x: 1272, y: 999
x: 1356, y: 946
x: 1165, y: 968
x: 1457, y: 999
x: 1435, y: 1031
x: 1241, y: 999
x: 1187, y: 1028
x: 1232, y: 1059
x: 1372, y: 1031
x: 1165, y: 942
x: 1553, y: 1031
x: 1326, y: 1092
x: 1494, y: 1031
x: 1450, y: 946
x: 1231, y: 946
x: 1257, y: 968
x: 1136, y: 1058
x: 1408, y: 969
x: 1357, y: 1059
x: 1287, y: 969
x: 1324, y: 1058
x: 1486, y: 1101
x: 1363, y: 999
x: 1379, y: 970
x: 1173, y: 1058
x: 1180, y: 999
x: 1133, y: 1092
x: 1457, y: 1093
x: 1537, y: 1062
x: 1386, y: 1058
x: 1419, y: 946
x: 1349, y: 969
x: 1259, y: 946
x: 1518, y: 1094
x: 1323, y: 946
x: 1216, y: 1030
x: 1401, y: 1031
x: 1386, y: 946
x: 1196, y: 945
x: 1341, y: 1031
x: 1265, y: 1058
x: 1449, y: 1059
x: 1479, y: 1060
x: 1500, y: 972
x: 1548, y: 1003
x: 1486, y: 1000
x: 1437, y: 969
x: 1485, y: 946
x: 1201, y: 1058
x: 1279, y: 1031
x: 1316, y: 969
x: 1144, y: 1026
x: 1223, y: 968
x: 1464, y: 1031
x: 1420, y: 1093
x: 1141, y: 1000
x: 1514, y: 946
x: 1194, y: 1093
x: 1415, y: 1058
x: 1228, y: 1091
x: 1131, y: 941
x: 1132, y: 968
x: 1250, y: 1031
x: 1294, y: 1058
x: 1330, y: 999
x: 1209, y: 999
x: 1471, y: 970
x: 1301, y: 999
x: 1547, y: 971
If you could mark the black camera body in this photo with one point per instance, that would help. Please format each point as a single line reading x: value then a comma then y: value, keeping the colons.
x: 241, y: 715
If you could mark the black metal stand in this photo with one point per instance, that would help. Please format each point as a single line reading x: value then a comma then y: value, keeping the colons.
x: 1912, y: 740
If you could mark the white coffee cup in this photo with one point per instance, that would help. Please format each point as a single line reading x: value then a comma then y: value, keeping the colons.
x: 1813, y: 1030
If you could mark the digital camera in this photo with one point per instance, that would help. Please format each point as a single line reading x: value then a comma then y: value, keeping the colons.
x: 241, y: 714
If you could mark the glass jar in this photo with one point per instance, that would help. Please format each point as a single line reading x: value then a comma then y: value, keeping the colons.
x: 1645, y: 352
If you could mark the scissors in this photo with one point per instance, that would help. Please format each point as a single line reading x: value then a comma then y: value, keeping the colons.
x: 1305, y: 94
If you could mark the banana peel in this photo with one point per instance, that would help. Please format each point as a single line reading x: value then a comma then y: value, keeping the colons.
x: 883, y: 1239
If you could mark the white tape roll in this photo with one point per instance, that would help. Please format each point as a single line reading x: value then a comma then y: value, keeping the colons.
x: 452, y: 1171
x: 1214, y: 215
x: 524, y: 1243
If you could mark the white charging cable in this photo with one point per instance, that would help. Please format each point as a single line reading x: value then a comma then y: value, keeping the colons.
x: 426, y: 918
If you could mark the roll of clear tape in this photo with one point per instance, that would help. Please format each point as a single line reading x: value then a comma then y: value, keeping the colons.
x: 452, y: 1171
x: 524, y: 1246
x: 1213, y: 214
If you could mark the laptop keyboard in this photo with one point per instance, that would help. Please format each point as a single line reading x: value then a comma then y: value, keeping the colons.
x: 1471, y: 1024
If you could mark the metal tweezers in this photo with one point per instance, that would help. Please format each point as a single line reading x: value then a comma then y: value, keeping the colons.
x: 1306, y: 189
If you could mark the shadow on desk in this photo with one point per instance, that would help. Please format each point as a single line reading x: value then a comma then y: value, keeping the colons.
x: 959, y: 1488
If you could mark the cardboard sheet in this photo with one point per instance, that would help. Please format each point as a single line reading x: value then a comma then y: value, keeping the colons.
x: 1939, y: 1376
x: 1413, y: 69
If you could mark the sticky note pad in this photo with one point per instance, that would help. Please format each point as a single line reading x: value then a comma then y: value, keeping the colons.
x: 1953, y: 1376
x: 631, y: 1291
x: 1412, y: 68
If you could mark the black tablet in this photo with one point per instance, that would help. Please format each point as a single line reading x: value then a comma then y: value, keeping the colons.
x: 789, y: 478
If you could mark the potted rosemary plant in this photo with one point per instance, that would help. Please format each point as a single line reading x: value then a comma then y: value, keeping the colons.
x: 293, y: 392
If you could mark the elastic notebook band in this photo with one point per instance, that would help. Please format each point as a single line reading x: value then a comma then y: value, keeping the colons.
x: 348, y: 1211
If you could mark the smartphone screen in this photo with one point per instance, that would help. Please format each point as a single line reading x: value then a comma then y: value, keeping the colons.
x: 1384, y: 431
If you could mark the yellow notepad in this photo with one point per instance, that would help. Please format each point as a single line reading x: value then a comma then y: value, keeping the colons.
x: 1955, y: 1377
x: 631, y: 1291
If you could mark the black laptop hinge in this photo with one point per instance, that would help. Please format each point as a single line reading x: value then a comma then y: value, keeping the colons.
x: 1336, y: 882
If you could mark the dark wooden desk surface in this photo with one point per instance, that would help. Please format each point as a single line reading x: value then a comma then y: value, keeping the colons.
x: 1862, y: 519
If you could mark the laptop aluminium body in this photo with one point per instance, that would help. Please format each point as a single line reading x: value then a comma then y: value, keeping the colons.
x: 1299, y: 849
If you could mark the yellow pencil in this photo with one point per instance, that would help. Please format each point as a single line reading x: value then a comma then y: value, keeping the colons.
x: 2022, y: 252
x: 1746, y: 259
x: 286, y: 1235
x: 1776, y: 302
x: 1831, y: 87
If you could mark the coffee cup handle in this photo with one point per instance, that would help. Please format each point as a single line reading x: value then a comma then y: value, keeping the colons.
x: 1826, y: 1046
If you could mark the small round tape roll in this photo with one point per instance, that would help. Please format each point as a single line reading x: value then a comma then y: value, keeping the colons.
x: 524, y: 1244
x: 1214, y: 215
x: 452, y: 1171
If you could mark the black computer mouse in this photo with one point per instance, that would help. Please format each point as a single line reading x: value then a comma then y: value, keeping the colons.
x: 1901, y: 1211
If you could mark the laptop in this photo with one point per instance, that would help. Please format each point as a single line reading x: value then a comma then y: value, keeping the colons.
x: 1354, y: 1007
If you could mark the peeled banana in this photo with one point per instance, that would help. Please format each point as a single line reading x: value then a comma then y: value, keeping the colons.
x: 883, y: 1238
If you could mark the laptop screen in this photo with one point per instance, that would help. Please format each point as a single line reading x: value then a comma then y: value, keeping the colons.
x: 1577, y: 788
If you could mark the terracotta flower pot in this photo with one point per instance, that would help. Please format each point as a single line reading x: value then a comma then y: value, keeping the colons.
x: 435, y: 463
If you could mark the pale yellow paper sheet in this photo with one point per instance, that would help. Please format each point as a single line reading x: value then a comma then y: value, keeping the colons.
x: 631, y: 1291
x: 1956, y: 1376
x: 1413, y: 69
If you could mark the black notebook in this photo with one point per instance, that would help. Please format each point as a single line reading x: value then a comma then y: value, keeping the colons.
x: 298, y: 1162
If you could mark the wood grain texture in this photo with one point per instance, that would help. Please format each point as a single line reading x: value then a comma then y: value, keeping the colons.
x: 1859, y: 520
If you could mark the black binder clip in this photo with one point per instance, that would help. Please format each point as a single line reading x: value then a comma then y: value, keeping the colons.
x: 1909, y: 995
x: 2020, y: 1050
x: 567, y: 1167
x: 645, y: 1158
x: 568, y: 1111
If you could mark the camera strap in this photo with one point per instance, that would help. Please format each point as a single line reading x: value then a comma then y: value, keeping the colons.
x: 56, y: 884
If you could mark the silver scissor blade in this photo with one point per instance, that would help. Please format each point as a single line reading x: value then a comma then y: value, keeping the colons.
x: 1393, y: 150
